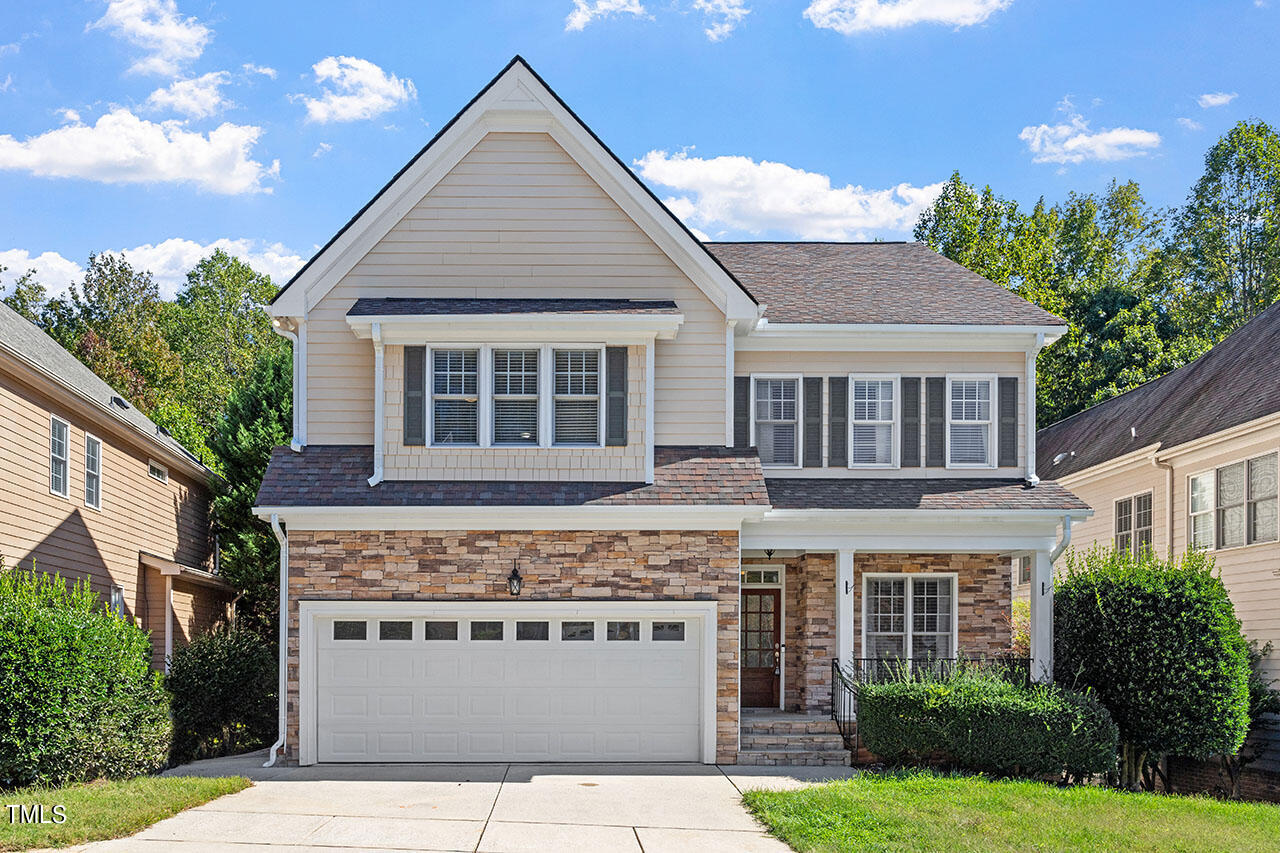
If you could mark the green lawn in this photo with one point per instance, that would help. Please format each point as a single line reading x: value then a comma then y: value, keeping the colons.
x: 923, y: 812
x: 101, y: 810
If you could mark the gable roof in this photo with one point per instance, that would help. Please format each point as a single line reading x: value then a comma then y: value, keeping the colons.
x: 28, y: 343
x: 1235, y: 382
x: 886, y: 283
x: 518, y: 99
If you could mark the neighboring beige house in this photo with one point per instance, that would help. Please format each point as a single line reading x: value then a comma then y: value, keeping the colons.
x: 1189, y: 460
x: 93, y: 490
x: 569, y: 484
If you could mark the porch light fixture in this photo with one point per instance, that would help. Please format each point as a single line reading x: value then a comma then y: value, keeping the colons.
x: 514, y: 580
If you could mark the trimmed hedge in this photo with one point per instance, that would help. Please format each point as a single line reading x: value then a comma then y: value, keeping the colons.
x: 975, y: 720
x: 78, y: 698
x: 224, y: 694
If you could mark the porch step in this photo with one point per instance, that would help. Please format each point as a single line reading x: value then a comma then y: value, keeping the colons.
x: 780, y: 738
x: 779, y: 723
x: 796, y: 757
x: 752, y: 741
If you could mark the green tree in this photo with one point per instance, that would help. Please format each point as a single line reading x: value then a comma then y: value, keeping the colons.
x: 29, y: 296
x: 258, y: 417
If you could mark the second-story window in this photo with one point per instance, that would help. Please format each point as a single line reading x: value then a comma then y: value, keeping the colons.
x: 58, y: 440
x: 454, y: 396
x: 1234, y: 505
x: 969, y: 423
x: 515, y: 396
x: 576, y: 397
x: 871, y: 422
x: 92, y: 472
x: 1133, y: 524
x: 777, y: 421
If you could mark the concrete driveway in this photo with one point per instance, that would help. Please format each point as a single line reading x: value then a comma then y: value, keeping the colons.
x: 502, y: 808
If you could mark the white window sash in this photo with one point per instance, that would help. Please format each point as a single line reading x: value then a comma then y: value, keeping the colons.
x: 517, y: 398
x: 892, y: 423
x: 989, y: 422
x: 598, y: 397
x: 1250, y: 500
x: 59, y: 464
x: 448, y: 396
x: 909, y: 611
x: 93, y: 473
x: 797, y: 422
x: 1211, y: 501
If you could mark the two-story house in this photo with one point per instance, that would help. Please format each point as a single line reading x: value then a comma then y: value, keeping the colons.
x: 568, y: 483
x: 95, y: 491
x: 1189, y: 460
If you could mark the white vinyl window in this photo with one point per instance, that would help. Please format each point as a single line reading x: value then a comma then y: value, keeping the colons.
x: 576, y: 396
x: 1133, y: 524
x: 1234, y: 505
x: 1201, y: 524
x: 872, y: 422
x: 515, y: 396
x: 454, y: 396
x: 92, y: 472
x: 909, y: 616
x: 59, y: 441
x: 777, y: 421
x: 969, y: 422
x: 156, y: 471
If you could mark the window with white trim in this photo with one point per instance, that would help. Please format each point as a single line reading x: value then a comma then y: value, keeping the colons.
x: 92, y: 472
x: 969, y: 423
x: 1234, y: 505
x: 454, y: 396
x: 1133, y: 524
x: 575, y: 398
x: 909, y: 617
x: 59, y: 439
x: 777, y: 421
x: 515, y: 396
x: 872, y: 418
x: 156, y: 471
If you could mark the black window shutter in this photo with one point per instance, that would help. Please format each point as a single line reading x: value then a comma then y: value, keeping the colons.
x: 742, y: 411
x: 910, y: 443
x: 935, y: 421
x: 615, y: 423
x: 1008, y: 409
x: 838, y: 421
x: 813, y: 422
x: 415, y: 393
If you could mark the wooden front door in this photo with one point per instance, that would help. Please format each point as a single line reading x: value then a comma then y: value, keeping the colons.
x: 761, y: 647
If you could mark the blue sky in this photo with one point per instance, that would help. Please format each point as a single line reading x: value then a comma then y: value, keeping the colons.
x: 164, y: 127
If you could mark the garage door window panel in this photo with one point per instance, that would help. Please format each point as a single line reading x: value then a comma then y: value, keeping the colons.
x: 532, y: 631
x: 345, y: 629
x: 577, y: 631
x: 441, y: 630
x: 623, y: 631
x: 668, y: 632
x: 395, y: 630
x: 486, y: 631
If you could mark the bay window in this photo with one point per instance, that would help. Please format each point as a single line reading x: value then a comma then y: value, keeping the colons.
x: 871, y: 422
x: 777, y: 421
x: 909, y: 617
x: 969, y: 422
x: 1234, y: 504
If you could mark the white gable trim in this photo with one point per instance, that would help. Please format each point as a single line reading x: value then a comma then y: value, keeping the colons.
x: 516, y: 101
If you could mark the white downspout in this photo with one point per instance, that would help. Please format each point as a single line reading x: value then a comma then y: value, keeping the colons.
x: 1168, y: 505
x: 280, y: 326
x: 168, y: 620
x: 379, y: 427
x: 1032, y: 479
x: 1064, y: 542
x: 284, y: 640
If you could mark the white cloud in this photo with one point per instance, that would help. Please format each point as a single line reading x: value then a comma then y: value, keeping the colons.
x: 11, y: 47
x: 1073, y: 141
x: 168, y: 39
x: 7, y: 83
x: 359, y: 90
x: 322, y: 149
x: 124, y: 149
x: 1189, y: 124
x: 264, y: 70
x: 739, y: 194
x: 199, y: 97
x: 68, y: 115
x: 859, y: 16
x: 168, y: 261
x: 724, y: 16
x: 586, y: 11
x: 1216, y: 99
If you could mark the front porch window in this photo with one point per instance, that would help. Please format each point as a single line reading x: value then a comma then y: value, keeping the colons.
x: 909, y: 617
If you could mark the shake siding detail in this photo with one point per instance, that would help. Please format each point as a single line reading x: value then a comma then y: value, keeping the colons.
x: 517, y: 217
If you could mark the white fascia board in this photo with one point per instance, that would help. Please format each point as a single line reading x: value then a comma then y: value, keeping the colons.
x: 621, y: 517
x: 905, y: 531
x: 499, y: 328
x: 894, y: 337
x: 516, y: 102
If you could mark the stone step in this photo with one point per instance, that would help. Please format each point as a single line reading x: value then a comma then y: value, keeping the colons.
x: 795, y: 757
x: 757, y: 741
x: 796, y: 725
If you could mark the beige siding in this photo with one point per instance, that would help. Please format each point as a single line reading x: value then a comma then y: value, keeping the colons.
x: 826, y: 364
x: 517, y: 217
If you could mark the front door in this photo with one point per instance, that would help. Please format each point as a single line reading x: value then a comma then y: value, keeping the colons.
x: 761, y: 647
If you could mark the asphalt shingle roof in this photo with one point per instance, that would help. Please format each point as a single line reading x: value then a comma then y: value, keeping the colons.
x: 400, y: 306
x: 871, y: 283
x: 1235, y: 382
x: 942, y: 494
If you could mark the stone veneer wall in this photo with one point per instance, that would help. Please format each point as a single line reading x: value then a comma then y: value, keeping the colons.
x: 370, y: 565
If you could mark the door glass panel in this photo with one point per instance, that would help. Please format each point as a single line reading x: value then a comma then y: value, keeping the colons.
x: 395, y: 630
x: 624, y: 631
x: 442, y: 630
x: 350, y: 630
x: 577, y: 630
x: 486, y: 630
x: 668, y: 630
x: 532, y: 631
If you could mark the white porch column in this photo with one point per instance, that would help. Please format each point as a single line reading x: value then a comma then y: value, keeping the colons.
x: 168, y: 620
x: 844, y: 605
x: 379, y: 399
x: 1041, y: 617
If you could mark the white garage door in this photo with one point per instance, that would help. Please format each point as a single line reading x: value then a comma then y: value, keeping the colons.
x: 610, y: 687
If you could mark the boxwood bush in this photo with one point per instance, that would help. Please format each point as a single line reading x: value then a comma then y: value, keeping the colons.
x: 78, y: 698
x: 973, y: 719
x: 224, y: 694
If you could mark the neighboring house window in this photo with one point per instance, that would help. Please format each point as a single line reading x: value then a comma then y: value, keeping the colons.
x: 871, y: 422
x: 117, y: 600
x: 1234, y: 505
x: 576, y: 397
x: 777, y: 421
x: 909, y: 617
x: 1024, y: 569
x: 454, y: 396
x: 515, y: 396
x: 59, y: 434
x: 156, y: 471
x: 969, y: 423
x: 1133, y: 524
x: 92, y: 472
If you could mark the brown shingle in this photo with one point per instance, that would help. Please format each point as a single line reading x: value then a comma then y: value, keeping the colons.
x: 946, y: 494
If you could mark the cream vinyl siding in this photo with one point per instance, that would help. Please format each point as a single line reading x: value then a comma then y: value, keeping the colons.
x: 901, y: 364
x: 517, y: 217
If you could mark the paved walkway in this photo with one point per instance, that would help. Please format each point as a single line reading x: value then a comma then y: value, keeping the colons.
x: 503, y: 808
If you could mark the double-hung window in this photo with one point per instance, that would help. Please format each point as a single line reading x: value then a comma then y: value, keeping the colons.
x: 871, y: 422
x: 910, y: 617
x: 576, y: 396
x: 92, y: 472
x: 515, y: 396
x: 1234, y: 505
x: 969, y: 422
x: 1133, y: 524
x: 777, y: 421
x: 454, y: 396
x: 59, y: 442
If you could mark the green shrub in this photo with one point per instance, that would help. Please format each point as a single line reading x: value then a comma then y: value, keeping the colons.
x: 224, y: 694
x: 78, y: 697
x: 1160, y: 644
x: 976, y: 720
